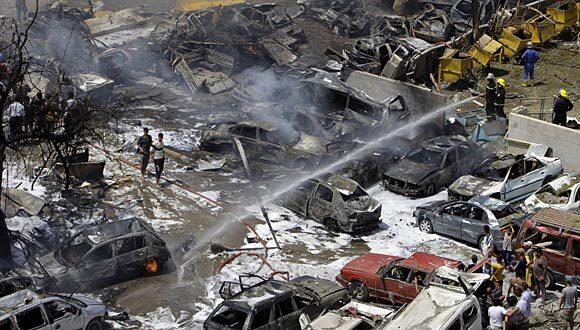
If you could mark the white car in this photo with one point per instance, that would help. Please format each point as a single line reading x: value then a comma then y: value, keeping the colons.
x: 352, y: 316
x: 26, y: 309
x: 562, y: 193
x: 510, y: 178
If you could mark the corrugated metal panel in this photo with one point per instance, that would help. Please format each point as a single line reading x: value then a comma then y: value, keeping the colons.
x: 557, y: 217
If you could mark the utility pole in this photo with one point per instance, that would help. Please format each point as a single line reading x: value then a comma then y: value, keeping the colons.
x: 475, y: 19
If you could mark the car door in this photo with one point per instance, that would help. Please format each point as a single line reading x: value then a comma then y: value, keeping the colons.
x: 270, y: 147
x: 248, y: 136
x: 450, y: 168
x: 297, y: 199
x: 97, y: 266
x: 62, y: 315
x: 131, y: 256
x: 514, y: 187
x: 534, y: 177
x: 32, y: 318
x: 450, y: 219
x: 263, y: 319
x: 286, y: 314
x: 320, y: 205
x: 472, y: 224
x: 396, y: 285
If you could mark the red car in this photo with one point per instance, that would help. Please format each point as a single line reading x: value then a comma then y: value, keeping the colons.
x: 390, y: 278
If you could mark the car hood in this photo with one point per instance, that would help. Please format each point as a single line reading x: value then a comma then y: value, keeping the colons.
x: 51, y: 265
x: 87, y: 300
x: 409, y: 171
x: 369, y: 263
x: 310, y: 144
x: 469, y: 185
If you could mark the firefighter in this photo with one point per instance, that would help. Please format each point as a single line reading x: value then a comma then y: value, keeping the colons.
x: 562, y: 104
x: 490, y: 94
x: 500, y: 98
x: 529, y: 58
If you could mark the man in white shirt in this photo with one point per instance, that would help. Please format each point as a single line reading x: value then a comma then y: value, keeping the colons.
x: 16, y: 112
x: 158, y: 156
x: 496, y: 315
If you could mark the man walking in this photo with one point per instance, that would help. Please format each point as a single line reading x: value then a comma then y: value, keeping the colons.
x: 16, y: 121
x: 529, y: 58
x: 539, y: 272
x: 500, y: 99
x: 562, y: 105
x: 569, y: 301
x: 487, y: 241
x: 144, y: 148
x: 158, y: 156
x: 490, y: 93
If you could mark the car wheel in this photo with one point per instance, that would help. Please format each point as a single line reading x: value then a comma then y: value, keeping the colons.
x: 331, y: 225
x: 550, y: 281
x: 94, y: 325
x: 430, y: 190
x: 358, y: 291
x: 426, y: 226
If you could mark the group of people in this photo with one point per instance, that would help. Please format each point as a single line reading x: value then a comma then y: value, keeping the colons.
x: 148, y: 149
x: 494, y: 97
x: 513, y: 309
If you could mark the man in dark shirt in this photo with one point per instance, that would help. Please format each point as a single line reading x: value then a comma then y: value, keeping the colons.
x: 490, y: 93
x: 500, y: 98
x: 562, y: 104
x: 144, y: 148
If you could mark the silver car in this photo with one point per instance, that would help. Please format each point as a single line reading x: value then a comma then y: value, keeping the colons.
x: 26, y: 310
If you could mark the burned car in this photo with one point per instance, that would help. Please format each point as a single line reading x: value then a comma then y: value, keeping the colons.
x: 430, y: 166
x: 562, y: 193
x: 278, y: 143
x: 26, y: 309
x: 352, y: 316
x: 273, y: 304
x: 340, y: 204
x: 509, y: 178
x: 390, y: 278
x: 106, y: 254
x: 465, y: 220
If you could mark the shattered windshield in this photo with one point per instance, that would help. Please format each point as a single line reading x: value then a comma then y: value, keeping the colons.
x: 425, y: 156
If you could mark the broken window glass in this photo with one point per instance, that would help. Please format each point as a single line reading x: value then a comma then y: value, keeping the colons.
x: 469, y: 316
x: 477, y: 213
x: 268, y: 137
x: 324, y: 193
x: 459, y: 210
x: 244, y: 131
x: 532, y: 165
x: 131, y: 244
x: 74, y: 252
x: 30, y: 319
x: 451, y: 158
x: 58, y: 309
x: 399, y: 273
x: 576, y: 249
x: 285, y: 307
x: 424, y: 156
x: 558, y: 243
x: 303, y: 301
x: 6, y: 325
x: 230, y: 317
x: 456, y: 325
x: 100, y: 254
x: 261, y: 318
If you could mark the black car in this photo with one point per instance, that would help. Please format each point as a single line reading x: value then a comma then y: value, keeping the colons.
x: 106, y: 254
x: 273, y: 304
x: 432, y: 165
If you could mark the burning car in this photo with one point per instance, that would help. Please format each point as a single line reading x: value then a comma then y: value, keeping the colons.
x: 509, y: 178
x: 273, y: 304
x: 391, y: 278
x: 562, y: 193
x: 106, y: 254
x: 340, y: 204
x: 465, y: 220
x: 27, y: 310
x: 270, y: 142
x: 430, y: 166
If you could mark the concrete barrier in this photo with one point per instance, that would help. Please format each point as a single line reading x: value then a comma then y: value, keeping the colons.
x: 419, y: 100
x: 564, y: 141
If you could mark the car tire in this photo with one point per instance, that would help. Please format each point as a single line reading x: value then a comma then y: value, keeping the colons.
x: 331, y: 225
x: 550, y: 280
x: 426, y: 226
x: 358, y: 291
x: 94, y: 325
x: 430, y: 190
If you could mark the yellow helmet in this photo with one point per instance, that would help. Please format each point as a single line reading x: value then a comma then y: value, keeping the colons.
x: 563, y: 93
x: 501, y: 81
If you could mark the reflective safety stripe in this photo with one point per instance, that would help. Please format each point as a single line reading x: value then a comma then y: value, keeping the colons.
x: 499, y: 104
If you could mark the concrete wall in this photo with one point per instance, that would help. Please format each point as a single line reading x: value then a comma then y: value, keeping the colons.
x: 564, y: 141
x: 418, y: 99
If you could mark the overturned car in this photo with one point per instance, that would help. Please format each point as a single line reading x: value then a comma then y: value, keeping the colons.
x: 273, y: 304
x: 340, y: 204
x: 106, y: 254
x: 432, y: 165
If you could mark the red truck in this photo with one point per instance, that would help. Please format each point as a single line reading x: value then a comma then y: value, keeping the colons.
x: 559, y: 233
x: 391, y: 278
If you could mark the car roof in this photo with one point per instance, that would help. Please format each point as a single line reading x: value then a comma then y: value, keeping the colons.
x: 260, y: 293
x: 111, y: 230
x: 343, y: 184
x: 427, y: 261
x: 371, y: 262
x: 557, y: 218
x: 489, y: 203
x: 18, y: 300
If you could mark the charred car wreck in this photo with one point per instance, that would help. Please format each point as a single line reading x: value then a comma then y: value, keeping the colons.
x: 106, y: 254
x: 340, y: 204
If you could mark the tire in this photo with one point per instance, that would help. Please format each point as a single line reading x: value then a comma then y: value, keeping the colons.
x: 550, y: 280
x: 331, y: 225
x: 426, y: 226
x: 358, y: 291
x: 430, y: 190
x: 94, y: 325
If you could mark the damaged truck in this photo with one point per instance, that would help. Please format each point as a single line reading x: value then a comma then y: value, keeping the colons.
x: 106, y: 254
x: 340, y: 204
